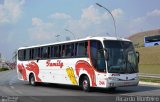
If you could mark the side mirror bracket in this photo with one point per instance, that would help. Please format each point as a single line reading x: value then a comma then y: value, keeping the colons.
x: 38, y: 59
x: 137, y: 54
x: 106, y: 55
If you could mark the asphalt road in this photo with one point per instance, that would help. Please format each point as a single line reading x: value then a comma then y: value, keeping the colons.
x: 11, y: 86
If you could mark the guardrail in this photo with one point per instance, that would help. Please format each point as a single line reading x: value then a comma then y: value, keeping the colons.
x: 149, y: 75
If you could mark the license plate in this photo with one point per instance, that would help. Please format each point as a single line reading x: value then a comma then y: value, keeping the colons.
x: 126, y: 83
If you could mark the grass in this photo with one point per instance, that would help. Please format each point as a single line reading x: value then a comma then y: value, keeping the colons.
x: 3, y: 69
x: 149, y: 68
x: 149, y: 55
x: 149, y: 60
x: 153, y: 80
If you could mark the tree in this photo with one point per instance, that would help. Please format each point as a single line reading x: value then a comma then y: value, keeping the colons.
x: 14, y: 58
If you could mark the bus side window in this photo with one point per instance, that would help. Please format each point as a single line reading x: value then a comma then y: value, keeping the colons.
x: 24, y: 54
x: 45, y: 52
x: 69, y: 50
x: 36, y: 53
x: 52, y: 52
x: 49, y: 51
x: 39, y: 53
x: 86, y: 48
x: 72, y: 50
x: 81, y: 49
x: 97, y: 55
x: 60, y: 51
x: 21, y: 55
x: 75, y: 49
x: 63, y: 51
x: 30, y: 54
x: 57, y: 51
x: 27, y: 54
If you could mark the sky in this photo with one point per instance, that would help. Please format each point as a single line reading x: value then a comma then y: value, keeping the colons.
x: 33, y: 22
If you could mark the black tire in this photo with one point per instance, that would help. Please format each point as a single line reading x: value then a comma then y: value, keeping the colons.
x: 32, y: 80
x: 85, y: 83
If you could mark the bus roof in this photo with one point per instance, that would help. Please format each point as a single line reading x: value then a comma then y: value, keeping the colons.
x: 76, y: 40
x: 151, y: 35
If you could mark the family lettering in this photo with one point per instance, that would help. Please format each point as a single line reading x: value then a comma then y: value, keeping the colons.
x: 56, y: 64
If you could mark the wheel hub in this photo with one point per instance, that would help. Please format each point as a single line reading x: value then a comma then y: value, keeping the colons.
x: 85, y: 84
x: 32, y: 80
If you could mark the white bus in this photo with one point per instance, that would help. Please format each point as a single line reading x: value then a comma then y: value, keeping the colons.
x: 104, y: 62
x: 153, y: 40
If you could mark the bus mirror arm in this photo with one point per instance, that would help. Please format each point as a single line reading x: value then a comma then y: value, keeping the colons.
x: 106, y: 55
x: 38, y: 59
x: 137, y: 54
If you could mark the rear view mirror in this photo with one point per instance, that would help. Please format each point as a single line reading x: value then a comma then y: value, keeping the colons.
x: 106, y: 56
x: 137, y: 54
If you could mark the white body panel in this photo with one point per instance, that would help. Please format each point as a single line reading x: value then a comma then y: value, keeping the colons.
x: 152, y: 44
x: 69, y: 70
x: 56, y: 74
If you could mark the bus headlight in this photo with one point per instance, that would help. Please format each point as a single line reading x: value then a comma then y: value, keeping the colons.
x: 136, y: 78
x: 113, y: 78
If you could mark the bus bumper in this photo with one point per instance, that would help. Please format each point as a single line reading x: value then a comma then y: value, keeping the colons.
x: 111, y: 83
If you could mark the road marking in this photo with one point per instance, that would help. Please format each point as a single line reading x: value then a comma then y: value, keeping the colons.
x: 12, y: 87
x: 36, y: 99
x: 19, y: 92
x: 13, y: 80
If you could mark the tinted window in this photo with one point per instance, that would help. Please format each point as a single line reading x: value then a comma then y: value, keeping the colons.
x: 27, y: 54
x: 52, y: 51
x: 21, y: 54
x: 36, y: 53
x: 45, y: 52
x: 81, y: 49
x: 32, y: 53
x: 57, y: 50
x: 97, y: 56
x: 63, y: 50
x: 69, y: 50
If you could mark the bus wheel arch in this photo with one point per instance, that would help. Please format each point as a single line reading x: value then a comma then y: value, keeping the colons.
x: 84, y: 82
x: 32, y: 80
x: 156, y: 44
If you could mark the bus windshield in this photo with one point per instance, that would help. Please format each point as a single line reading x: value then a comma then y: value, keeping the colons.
x: 121, y: 57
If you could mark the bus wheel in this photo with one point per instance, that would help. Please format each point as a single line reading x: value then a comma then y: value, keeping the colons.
x: 32, y: 80
x: 85, y: 84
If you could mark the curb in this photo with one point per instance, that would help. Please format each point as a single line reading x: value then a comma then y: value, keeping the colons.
x: 149, y: 83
